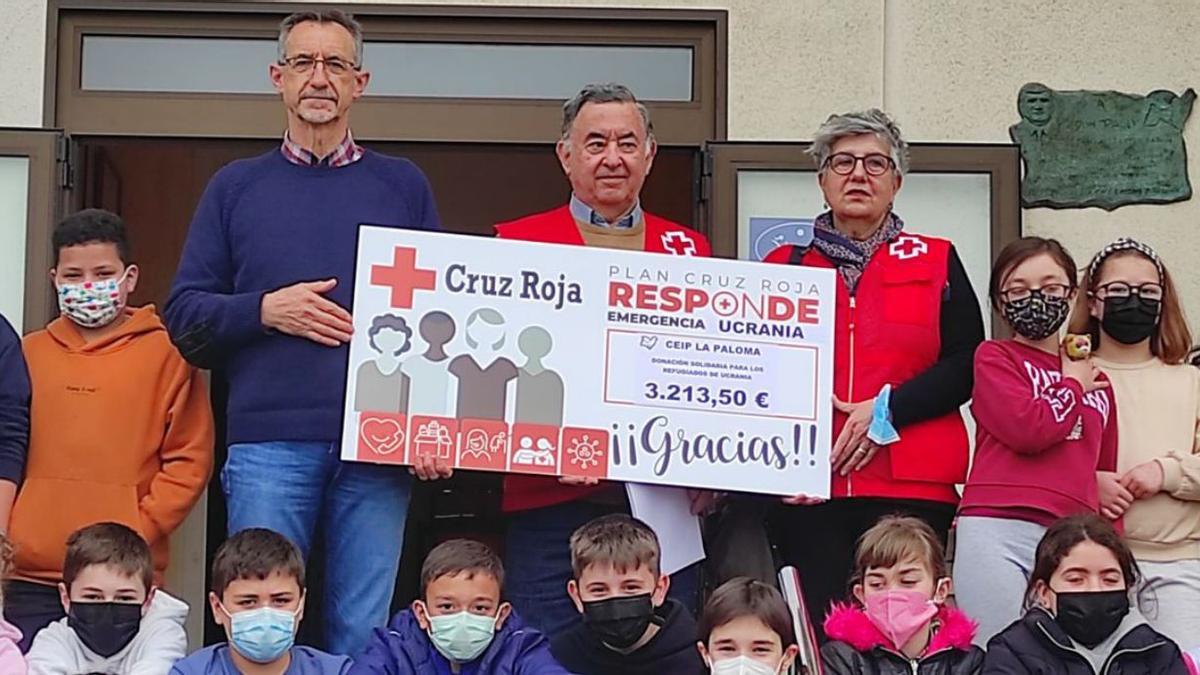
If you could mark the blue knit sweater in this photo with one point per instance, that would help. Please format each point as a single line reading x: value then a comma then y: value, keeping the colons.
x: 263, y: 224
x: 14, y: 405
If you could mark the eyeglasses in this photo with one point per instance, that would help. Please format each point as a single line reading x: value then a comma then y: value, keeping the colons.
x: 875, y: 164
x: 307, y: 64
x: 1149, y: 291
x: 1057, y: 291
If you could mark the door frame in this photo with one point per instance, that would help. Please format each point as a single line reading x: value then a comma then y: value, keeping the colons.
x: 378, y: 117
x: 48, y: 179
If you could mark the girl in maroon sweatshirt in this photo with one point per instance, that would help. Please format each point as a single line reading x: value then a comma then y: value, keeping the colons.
x: 1045, y: 424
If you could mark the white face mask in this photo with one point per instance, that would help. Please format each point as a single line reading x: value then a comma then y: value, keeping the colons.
x: 92, y: 304
x: 742, y: 665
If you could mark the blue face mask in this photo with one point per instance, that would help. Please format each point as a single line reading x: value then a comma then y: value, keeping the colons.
x: 262, y: 635
x: 461, y: 637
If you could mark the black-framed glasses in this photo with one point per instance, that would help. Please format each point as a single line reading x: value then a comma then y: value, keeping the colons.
x: 307, y: 64
x: 1056, y: 291
x: 843, y: 163
x: 1149, y: 291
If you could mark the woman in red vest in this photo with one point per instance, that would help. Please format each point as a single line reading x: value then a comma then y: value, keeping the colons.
x: 907, y: 324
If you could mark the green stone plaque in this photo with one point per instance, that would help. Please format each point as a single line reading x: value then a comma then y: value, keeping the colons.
x: 1102, y: 148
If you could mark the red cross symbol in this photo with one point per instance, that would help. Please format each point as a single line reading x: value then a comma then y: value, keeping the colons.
x: 908, y: 247
x: 678, y: 243
x: 724, y: 303
x: 404, y: 277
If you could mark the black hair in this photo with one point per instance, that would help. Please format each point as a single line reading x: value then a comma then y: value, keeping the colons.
x: 91, y: 226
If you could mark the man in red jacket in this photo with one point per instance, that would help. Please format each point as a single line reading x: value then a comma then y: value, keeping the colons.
x: 606, y: 150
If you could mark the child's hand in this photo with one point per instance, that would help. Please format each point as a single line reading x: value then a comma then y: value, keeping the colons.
x: 578, y: 480
x: 802, y: 500
x: 704, y: 501
x: 428, y: 467
x: 1083, y: 371
x: 1115, y: 498
x: 1144, y: 480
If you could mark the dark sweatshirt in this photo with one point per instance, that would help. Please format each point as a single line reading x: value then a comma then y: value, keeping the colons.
x: 14, y: 405
x: 672, y: 651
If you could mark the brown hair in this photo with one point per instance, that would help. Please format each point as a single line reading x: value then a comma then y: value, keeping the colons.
x: 624, y: 542
x: 894, y: 539
x: 743, y: 596
x: 458, y: 556
x: 1017, y: 252
x: 1171, y: 341
x: 256, y: 553
x: 1064, y: 535
x: 111, y: 544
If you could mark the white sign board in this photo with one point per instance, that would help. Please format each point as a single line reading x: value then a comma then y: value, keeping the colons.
x: 534, y: 358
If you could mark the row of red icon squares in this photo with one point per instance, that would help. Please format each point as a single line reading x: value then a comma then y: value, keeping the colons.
x: 484, y: 445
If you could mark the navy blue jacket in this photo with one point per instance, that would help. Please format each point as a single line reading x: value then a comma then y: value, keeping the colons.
x: 403, y: 648
x: 1036, y: 645
x: 14, y: 405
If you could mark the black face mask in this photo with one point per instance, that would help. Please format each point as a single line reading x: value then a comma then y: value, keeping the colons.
x: 105, y: 627
x: 1036, y: 317
x: 619, y: 622
x: 1091, y: 616
x: 1130, y: 320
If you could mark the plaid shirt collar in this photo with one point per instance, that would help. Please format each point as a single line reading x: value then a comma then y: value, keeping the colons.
x: 347, y: 152
x: 584, y: 214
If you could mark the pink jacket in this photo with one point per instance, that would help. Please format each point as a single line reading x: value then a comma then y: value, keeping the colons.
x: 11, y: 660
x: 849, y: 624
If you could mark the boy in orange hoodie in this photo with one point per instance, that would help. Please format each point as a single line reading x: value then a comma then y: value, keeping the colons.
x: 120, y: 425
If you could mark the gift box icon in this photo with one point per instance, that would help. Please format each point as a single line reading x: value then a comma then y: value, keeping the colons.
x: 433, y: 438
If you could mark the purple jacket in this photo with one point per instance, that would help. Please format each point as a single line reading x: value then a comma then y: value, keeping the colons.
x: 403, y: 648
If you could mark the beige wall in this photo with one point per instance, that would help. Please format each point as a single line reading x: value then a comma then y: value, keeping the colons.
x: 948, y: 70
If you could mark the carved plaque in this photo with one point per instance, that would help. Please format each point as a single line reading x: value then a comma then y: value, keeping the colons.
x: 1102, y: 148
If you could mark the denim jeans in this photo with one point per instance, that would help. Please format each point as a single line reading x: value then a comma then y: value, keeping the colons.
x: 537, y: 565
x: 290, y: 486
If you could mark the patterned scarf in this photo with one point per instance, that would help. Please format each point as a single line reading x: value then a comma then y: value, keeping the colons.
x: 850, y: 256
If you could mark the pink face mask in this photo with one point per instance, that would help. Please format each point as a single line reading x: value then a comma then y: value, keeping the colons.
x: 899, y: 614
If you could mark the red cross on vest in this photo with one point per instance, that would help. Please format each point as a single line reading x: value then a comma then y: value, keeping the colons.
x: 404, y: 277
x: 678, y: 243
x: 906, y: 247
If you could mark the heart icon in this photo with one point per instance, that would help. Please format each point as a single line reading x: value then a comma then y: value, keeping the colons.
x: 648, y: 341
x: 383, y: 436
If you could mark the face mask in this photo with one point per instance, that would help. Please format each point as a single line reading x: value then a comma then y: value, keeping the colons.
x: 1036, y: 317
x: 619, y: 622
x: 462, y: 637
x: 91, y: 304
x: 900, y: 614
x: 1130, y: 320
x: 742, y: 665
x: 262, y: 635
x: 1091, y: 616
x: 105, y: 627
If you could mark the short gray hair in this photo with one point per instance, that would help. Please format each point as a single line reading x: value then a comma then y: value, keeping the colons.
x: 343, y: 19
x: 873, y: 121
x: 608, y: 92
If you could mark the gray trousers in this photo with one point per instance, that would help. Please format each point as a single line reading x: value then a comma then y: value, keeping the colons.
x: 1171, y: 599
x: 993, y: 559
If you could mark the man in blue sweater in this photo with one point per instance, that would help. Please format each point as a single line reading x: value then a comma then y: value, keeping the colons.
x: 261, y: 293
x: 14, y: 417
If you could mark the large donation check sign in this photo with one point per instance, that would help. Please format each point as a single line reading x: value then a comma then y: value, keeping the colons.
x: 570, y: 361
